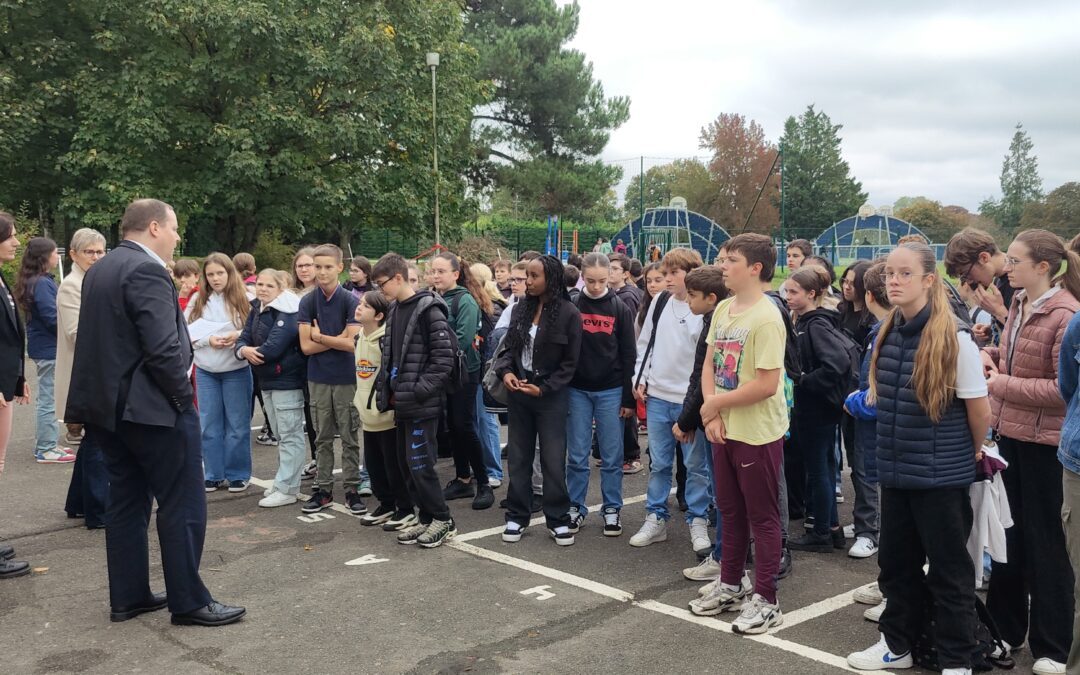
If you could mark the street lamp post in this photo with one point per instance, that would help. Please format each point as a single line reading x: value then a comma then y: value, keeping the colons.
x: 433, y: 64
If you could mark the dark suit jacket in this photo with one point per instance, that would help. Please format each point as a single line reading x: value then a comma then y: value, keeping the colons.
x: 133, y: 354
x: 12, y: 346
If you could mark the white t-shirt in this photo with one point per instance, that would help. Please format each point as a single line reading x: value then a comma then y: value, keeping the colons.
x: 527, y: 350
x: 970, y: 382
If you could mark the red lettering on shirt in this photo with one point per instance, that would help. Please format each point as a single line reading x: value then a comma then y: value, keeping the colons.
x: 598, y: 323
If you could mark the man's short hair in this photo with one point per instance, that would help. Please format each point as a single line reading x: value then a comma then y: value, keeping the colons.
x: 328, y: 251
x: 964, y: 248
x: 756, y: 248
x: 621, y: 260
x: 520, y: 265
x: 571, y: 275
x: 707, y: 279
x: 185, y: 267
x: 141, y: 212
x: 501, y: 264
x: 529, y: 255
x: 388, y: 267
x: 686, y: 259
x: 803, y: 245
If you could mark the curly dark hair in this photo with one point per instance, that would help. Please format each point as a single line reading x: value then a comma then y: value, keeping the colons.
x: 517, y: 336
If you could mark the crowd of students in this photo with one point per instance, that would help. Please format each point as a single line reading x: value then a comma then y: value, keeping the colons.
x: 956, y: 409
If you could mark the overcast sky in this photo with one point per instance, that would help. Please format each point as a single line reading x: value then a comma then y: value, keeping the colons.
x: 928, y: 92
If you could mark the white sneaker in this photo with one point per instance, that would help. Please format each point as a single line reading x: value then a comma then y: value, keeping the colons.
x: 707, y: 570
x: 268, y: 491
x: 494, y: 483
x: 1046, y: 666
x: 874, y: 613
x: 277, y: 499
x: 879, y: 657
x: 652, y: 531
x: 864, y: 547
x: 849, y: 531
x: 721, y: 598
x: 55, y: 456
x: 839, y: 496
x: 965, y: 671
x: 699, y: 535
x: 867, y: 595
x: 758, y: 616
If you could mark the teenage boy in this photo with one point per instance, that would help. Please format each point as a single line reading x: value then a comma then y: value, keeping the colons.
x: 973, y: 257
x: 328, y: 330
x: 797, y: 253
x: 745, y: 416
x: 619, y: 281
x: 417, y: 361
x: 501, y: 269
x: 665, y: 358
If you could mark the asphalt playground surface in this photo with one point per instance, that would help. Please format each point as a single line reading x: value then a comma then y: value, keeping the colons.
x: 327, y: 595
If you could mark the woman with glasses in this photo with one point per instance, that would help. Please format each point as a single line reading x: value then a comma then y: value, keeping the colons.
x: 89, y: 489
x: 1031, y: 595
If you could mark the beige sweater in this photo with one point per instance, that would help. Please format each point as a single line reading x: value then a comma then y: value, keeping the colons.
x: 68, y: 301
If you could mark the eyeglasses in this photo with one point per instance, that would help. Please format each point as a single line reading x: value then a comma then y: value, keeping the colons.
x: 96, y: 252
x: 903, y: 277
x: 517, y: 280
x: 1013, y: 262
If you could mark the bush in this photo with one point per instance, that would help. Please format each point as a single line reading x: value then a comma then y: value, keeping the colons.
x: 272, y: 251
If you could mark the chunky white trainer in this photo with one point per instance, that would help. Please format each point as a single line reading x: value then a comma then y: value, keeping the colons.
x: 757, y: 616
x: 879, y: 657
x: 652, y: 531
x: 707, y: 570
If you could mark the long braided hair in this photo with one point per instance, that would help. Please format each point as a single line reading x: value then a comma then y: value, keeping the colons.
x: 517, y: 336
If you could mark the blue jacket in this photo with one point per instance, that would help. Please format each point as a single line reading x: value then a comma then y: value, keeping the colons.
x: 277, y: 336
x: 865, y: 413
x: 1068, y: 376
x: 41, y: 328
x: 914, y: 453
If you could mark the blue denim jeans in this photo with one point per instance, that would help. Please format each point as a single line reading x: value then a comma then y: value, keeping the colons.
x: 225, y: 414
x: 603, y: 407
x: 285, y: 412
x: 662, y: 415
x: 487, y: 428
x: 46, y: 406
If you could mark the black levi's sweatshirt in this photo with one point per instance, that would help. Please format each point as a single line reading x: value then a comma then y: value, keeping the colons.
x: 608, y: 346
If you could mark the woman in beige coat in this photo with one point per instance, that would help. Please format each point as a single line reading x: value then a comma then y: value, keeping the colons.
x: 89, y: 490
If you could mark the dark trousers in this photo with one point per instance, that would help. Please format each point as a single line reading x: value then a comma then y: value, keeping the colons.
x: 795, y: 472
x: 917, y: 525
x: 680, y: 477
x: 631, y: 446
x: 309, y: 426
x: 417, y: 448
x: 817, y: 442
x: 147, y: 463
x: 464, y: 443
x: 387, y: 479
x: 1038, y: 566
x: 544, y: 417
x: 88, y: 492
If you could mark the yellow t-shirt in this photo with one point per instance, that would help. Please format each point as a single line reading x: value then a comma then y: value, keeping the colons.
x: 742, y: 344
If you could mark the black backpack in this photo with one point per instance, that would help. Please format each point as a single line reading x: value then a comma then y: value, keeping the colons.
x: 987, y: 640
x: 459, y: 376
x: 792, y: 365
x: 659, y: 302
x: 836, y: 396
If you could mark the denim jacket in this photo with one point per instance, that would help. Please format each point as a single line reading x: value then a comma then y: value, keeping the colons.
x: 1068, y: 375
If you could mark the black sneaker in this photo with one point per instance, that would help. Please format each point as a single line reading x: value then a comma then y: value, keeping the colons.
x: 512, y: 533
x: 213, y: 485
x: 309, y: 471
x: 378, y: 516
x: 455, y: 489
x: 410, y: 535
x: 808, y: 522
x: 319, y: 501
x: 838, y: 540
x: 238, y: 485
x: 399, y: 521
x: 785, y: 563
x: 612, y: 523
x: 813, y: 542
x: 484, y: 499
x: 438, y: 531
x: 562, y: 535
x: 504, y: 503
x: 576, y: 519
x: 356, y: 505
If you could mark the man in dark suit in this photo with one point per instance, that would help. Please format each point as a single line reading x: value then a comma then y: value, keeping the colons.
x: 130, y: 384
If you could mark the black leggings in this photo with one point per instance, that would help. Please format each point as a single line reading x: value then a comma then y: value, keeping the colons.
x: 309, y: 427
x: 464, y: 443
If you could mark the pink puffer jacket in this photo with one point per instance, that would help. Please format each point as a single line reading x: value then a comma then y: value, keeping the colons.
x: 1025, y: 402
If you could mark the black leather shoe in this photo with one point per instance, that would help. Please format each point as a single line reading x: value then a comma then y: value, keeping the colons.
x: 154, y: 603
x: 7, y: 552
x: 214, y: 614
x: 9, y: 569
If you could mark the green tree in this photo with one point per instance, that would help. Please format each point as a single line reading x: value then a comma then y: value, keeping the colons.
x: 1059, y: 212
x: 937, y: 222
x: 687, y: 178
x: 1020, y: 182
x: 904, y: 202
x: 547, y: 119
x: 819, y: 188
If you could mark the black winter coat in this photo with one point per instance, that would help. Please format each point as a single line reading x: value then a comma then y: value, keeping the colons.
x: 555, y: 356
x: 824, y: 366
x: 414, y: 384
x: 277, y: 336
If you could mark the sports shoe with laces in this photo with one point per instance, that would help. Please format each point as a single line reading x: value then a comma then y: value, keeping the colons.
x: 863, y: 547
x: 721, y: 598
x: 699, y: 536
x: 1047, y: 666
x: 365, y: 488
x: 319, y: 501
x: 213, y: 485
x: 707, y: 570
x: 277, y: 499
x: 879, y: 657
x: 378, y: 516
x: 356, y: 504
x: 576, y: 519
x: 612, y: 522
x: 652, y: 530
x: 266, y: 438
x: 455, y: 489
x: 437, y: 532
x: 512, y: 533
x: 55, y: 455
x: 238, y: 485
x: 757, y: 616
x: 409, y: 535
x: 484, y: 499
x: 867, y: 595
x: 399, y: 521
x: 874, y: 613
x: 562, y: 535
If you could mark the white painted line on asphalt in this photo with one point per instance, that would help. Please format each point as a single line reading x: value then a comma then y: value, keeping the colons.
x: 549, y: 572
x: 828, y: 659
x: 817, y: 609
x: 684, y: 615
x: 303, y: 497
x: 367, y: 559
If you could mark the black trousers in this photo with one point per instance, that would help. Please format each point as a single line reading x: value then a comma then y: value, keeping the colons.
x: 544, y: 417
x: 387, y: 479
x: 917, y: 525
x: 464, y: 443
x: 631, y: 445
x: 417, y: 448
x: 147, y: 463
x: 795, y: 471
x: 309, y: 426
x: 88, y: 492
x: 1038, y: 566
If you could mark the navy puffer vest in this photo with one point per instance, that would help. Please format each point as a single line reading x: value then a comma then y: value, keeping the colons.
x: 913, y: 453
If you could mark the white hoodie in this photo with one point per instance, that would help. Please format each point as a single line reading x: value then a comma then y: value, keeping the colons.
x: 206, y: 357
x: 667, y: 373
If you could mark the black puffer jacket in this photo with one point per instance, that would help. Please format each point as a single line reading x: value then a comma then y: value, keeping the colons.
x: 824, y: 363
x: 413, y: 384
